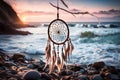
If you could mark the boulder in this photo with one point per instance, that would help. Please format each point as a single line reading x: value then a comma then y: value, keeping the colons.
x: 45, y: 76
x: 82, y: 77
x: 98, y: 65
x: 74, y: 67
x: 112, y: 69
x: 115, y: 77
x: 32, y: 75
x: 18, y: 57
x: 97, y: 77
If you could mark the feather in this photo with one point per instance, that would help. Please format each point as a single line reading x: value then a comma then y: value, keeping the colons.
x: 63, y: 58
x: 52, y: 65
x: 68, y: 49
x: 71, y: 47
x: 64, y: 3
x: 65, y: 53
x: 53, y: 60
x: 47, y: 53
x: 58, y: 64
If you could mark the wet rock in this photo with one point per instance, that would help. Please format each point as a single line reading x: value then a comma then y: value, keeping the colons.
x: 45, y: 76
x: 2, y: 54
x: 113, y: 26
x: 63, y: 73
x: 112, y: 69
x: 66, y: 72
x: 20, y: 69
x: 9, y: 64
x: 69, y: 72
x: 82, y: 71
x: 2, y: 62
x: 107, y: 76
x: 40, y: 69
x: 39, y: 63
x: 91, y: 72
x: 12, y: 78
x: 66, y: 78
x: 17, y: 57
x: 115, y: 77
x: 98, y: 65
x: 54, y: 76
x: 13, y: 72
x: 18, y: 77
x: 3, y: 73
x: 21, y: 60
x: 2, y: 68
x: 75, y: 68
x: 82, y: 77
x: 97, y: 77
x: 32, y: 75
x: 31, y: 66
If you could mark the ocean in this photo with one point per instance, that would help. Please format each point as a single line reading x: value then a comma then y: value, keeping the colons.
x: 102, y: 45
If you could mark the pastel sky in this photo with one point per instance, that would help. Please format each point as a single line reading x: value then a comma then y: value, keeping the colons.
x: 42, y: 11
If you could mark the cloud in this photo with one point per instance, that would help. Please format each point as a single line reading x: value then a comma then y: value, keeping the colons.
x: 37, y: 13
x: 75, y: 10
x: 112, y: 14
x: 109, y: 12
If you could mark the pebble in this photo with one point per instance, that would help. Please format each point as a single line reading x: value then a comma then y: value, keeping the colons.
x: 97, y: 77
x: 75, y: 68
x: 45, y: 76
x: 19, y: 68
x: 32, y: 75
x: 83, y: 77
x: 98, y: 65
x: 115, y: 77
x: 31, y: 66
x: 17, y: 57
x: 12, y: 78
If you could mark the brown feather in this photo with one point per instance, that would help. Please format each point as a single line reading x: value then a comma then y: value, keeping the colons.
x: 71, y: 47
x: 58, y: 64
x: 52, y: 65
x: 68, y: 49
x: 53, y: 60
x: 63, y: 59
x: 65, y: 54
x: 47, y: 53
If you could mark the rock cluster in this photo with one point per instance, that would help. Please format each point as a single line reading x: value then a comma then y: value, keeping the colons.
x: 18, y: 67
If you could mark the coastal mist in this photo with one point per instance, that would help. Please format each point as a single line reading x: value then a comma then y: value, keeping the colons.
x: 93, y: 42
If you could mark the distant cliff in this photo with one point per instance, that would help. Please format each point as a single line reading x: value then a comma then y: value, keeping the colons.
x: 9, y: 20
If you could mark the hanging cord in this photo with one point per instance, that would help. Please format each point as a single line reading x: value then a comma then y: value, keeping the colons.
x: 57, y: 9
x: 58, y: 50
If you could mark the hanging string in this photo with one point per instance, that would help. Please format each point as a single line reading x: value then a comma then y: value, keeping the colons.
x: 57, y: 9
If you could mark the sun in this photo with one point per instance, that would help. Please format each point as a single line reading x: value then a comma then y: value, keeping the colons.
x: 23, y: 18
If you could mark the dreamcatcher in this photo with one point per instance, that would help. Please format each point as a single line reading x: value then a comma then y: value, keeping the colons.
x: 59, y: 45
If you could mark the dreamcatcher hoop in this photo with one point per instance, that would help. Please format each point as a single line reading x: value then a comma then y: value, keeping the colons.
x: 58, y: 31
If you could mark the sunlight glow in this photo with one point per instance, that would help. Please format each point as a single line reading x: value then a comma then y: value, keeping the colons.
x: 23, y: 18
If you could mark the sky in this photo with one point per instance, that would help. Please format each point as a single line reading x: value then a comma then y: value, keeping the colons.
x: 42, y: 11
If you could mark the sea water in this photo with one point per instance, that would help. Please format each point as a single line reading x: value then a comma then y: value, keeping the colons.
x: 104, y: 46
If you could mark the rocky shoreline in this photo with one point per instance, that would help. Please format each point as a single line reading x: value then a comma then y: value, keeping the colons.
x: 18, y: 67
